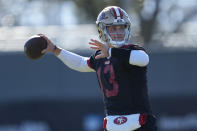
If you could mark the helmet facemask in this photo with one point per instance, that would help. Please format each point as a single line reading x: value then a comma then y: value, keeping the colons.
x: 116, y: 41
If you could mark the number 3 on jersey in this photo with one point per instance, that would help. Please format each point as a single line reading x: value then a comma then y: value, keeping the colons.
x: 109, y: 69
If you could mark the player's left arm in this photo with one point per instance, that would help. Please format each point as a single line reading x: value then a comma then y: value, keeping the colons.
x: 137, y: 57
x: 134, y: 56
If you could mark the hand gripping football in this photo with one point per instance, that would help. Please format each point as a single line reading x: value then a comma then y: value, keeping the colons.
x: 34, y: 46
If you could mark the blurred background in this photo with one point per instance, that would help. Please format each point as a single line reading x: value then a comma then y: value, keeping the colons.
x: 45, y: 95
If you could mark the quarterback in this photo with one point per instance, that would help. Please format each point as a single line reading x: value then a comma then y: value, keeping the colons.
x: 121, y: 71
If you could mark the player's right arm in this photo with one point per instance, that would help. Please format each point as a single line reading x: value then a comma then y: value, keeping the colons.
x: 72, y: 60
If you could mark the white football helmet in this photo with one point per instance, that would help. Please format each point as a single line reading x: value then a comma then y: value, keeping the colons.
x: 109, y: 16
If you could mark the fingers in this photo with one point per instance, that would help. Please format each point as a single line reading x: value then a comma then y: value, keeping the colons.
x: 96, y: 45
x: 95, y: 48
x: 43, y: 36
x: 50, y: 45
x: 91, y: 43
x: 95, y: 42
x: 100, y: 56
x: 46, y: 38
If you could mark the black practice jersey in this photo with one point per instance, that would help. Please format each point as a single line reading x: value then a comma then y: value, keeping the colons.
x: 124, y: 86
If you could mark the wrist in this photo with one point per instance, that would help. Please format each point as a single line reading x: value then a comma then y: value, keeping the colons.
x: 56, y: 50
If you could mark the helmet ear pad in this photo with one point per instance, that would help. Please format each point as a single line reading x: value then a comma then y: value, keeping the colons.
x: 100, y: 32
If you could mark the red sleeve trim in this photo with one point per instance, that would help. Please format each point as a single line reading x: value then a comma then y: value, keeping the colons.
x: 89, y: 64
x: 105, y: 123
x: 142, y: 119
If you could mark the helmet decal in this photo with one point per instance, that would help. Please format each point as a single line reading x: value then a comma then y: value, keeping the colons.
x: 114, y: 12
x: 121, y: 16
x: 117, y: 13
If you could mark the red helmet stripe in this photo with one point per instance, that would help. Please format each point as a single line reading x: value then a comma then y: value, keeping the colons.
x: 121, y: 15
x: 115, y: 15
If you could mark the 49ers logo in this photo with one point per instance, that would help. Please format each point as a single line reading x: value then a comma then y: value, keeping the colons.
x: 120, y: 120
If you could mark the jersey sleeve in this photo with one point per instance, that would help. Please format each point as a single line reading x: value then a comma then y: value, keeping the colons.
x: 92, y: 61
x: 74, y: 61
x: 133, y: 55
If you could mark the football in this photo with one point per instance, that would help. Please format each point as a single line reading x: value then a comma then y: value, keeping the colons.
x: 34, y: 46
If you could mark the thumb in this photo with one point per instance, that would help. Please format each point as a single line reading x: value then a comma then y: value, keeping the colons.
x: 44, y: 51
x: 99, y: 56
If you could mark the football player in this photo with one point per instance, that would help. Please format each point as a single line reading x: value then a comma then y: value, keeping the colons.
x: 121, y: 71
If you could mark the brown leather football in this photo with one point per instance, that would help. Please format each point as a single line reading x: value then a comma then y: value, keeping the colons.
x: 34, y: 46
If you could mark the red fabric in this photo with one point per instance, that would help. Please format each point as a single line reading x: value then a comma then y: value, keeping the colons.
x: 142, y: 119
x: 104, y: 123
x: 121, y: 15
x: 114, y: 90
x: 88, y: 62
x: 126, y: 46
x: 115, y: 15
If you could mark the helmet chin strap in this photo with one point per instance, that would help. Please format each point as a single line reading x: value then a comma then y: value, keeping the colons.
x: 115, y: 43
